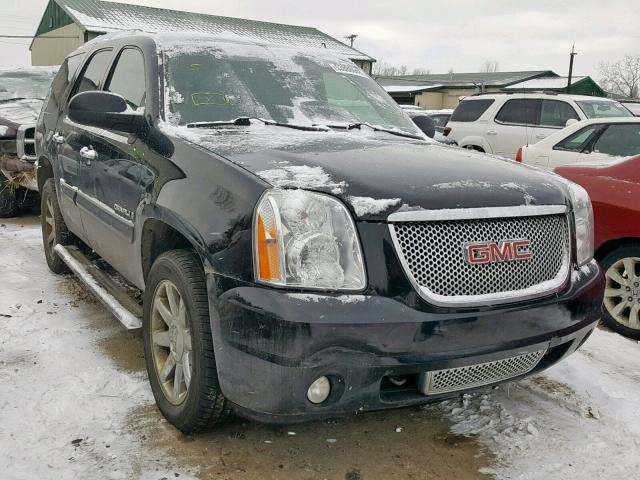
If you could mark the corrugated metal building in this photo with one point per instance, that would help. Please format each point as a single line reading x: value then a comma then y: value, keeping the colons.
x: 67, y: 24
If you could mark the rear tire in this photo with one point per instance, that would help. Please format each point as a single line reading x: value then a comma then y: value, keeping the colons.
x: 178, y: 344
x: 8, y: 199
x: 621, y: 309
x: 54, y: 230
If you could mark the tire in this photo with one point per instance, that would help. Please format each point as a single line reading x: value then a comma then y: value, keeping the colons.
x: 198, y: 404
x: 54, y: 229
x: 8, y: 199
x: 622, y: 287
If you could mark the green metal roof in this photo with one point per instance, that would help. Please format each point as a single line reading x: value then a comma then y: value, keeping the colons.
x: 102, y: 17
x: 463, y: 80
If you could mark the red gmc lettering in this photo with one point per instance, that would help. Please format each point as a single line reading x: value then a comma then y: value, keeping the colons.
x: 505, y: 251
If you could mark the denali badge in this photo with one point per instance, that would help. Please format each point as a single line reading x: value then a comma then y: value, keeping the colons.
x: 504, y: 251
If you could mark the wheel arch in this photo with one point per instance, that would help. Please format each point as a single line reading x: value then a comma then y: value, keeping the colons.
x: 44, y: 171
x: 610, y: 245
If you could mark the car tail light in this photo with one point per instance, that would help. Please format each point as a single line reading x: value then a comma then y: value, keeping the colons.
x: 519, y: 155
x: 446, y: 131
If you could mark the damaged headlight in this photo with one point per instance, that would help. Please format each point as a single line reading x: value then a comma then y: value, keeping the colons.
x: 307, y: 240
x: 583, y: 218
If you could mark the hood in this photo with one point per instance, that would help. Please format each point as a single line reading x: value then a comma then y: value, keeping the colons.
x: 377, y: 174
x: 20, y: 111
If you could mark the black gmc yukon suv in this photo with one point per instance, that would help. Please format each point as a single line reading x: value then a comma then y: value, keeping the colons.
x: 302, y: 248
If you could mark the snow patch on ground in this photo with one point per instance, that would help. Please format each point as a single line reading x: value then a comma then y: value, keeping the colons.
x: 371, y: 206
x: 579, y: 419
x: 302, y: 176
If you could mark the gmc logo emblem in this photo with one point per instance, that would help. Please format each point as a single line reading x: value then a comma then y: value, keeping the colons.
x: 492, y: 252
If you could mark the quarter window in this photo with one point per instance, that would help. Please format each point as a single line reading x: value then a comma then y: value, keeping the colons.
x: 128, y: 79
x: 519, y: 111
x: 470, y: 110
x: 577, y: 141
x: 555, y: 113
x: 93, y: 72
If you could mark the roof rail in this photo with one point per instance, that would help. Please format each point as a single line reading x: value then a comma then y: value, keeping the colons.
x: 516, y: 92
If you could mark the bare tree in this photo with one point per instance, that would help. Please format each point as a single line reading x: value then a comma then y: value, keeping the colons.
x: 621, y: 77
x: 420, y: 71
x: 490, y: 66
x: 385, y: 69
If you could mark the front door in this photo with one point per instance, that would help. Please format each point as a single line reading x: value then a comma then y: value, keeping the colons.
x: 115, y: 175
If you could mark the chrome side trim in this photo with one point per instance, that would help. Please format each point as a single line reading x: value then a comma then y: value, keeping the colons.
x: 66, y: 186
x: 105, y: 208
x: 476, y: 213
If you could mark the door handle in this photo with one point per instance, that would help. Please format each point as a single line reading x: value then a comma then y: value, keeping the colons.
x: 541, y: 135
x: 88, y: 153
x: 491, y: 132
x: 58, y: 138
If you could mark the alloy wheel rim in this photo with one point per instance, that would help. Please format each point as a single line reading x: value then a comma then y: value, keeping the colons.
x: 622, y: 292
x: 171, y: 343
x: 50, y: 225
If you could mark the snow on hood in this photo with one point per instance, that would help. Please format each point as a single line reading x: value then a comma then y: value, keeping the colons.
x: 20, y: 112
x: 376, y: 173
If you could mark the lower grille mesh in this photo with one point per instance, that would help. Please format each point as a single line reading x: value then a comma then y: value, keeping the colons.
x: 462, y: 378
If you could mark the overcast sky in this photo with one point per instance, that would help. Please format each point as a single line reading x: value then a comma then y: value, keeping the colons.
x: 438, y: 35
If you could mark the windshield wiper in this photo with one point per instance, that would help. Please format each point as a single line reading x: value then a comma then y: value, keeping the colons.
x: 246, y: 121
x: 375, y: 128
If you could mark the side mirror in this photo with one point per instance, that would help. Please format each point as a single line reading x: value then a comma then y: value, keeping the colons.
x: 106, y: 110
x: 571, y: 121
x: 425, y: 123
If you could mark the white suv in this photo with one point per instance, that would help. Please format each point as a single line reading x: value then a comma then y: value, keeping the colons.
x: 501, y: 123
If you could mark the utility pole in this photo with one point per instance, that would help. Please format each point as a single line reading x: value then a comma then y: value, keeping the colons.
x: 571, y: 55
x: 351, y: 38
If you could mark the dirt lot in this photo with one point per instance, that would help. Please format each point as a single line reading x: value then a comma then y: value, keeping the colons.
x: 75, y: 403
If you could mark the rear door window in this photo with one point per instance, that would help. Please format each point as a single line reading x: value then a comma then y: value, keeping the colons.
x: 577, y: 141
x: 470, y: 110
x: 128, y: 79
x: 93, y: 72
x: 519, y: 111
x: 555, y: 113
x: 621, y: 140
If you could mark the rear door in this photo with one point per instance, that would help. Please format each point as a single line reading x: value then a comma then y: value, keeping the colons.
x: 514, y: 126
x: 71, y: 137
x: 117, y: 175
x: 554, y: 115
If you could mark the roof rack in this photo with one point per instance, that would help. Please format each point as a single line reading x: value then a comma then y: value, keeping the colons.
x: 537, y: 92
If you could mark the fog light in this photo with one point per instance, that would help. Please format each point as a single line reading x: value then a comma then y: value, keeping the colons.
x: 319, y: 390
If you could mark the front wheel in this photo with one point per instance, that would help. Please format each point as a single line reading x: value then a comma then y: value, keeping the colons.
x: 622, y: 292
x: 178, y: 344
x: 54, y: 230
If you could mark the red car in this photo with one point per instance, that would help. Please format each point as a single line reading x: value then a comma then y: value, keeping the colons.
x: 614, y: 189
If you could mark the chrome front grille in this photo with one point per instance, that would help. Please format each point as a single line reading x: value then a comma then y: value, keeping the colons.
x: 462, y: 378
x: 433, y: 255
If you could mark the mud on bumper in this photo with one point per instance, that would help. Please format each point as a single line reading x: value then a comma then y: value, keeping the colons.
x: 271, y: 345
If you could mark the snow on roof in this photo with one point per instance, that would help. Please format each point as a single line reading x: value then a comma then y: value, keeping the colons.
x: 103, y: 17
x: 409, y: 88
x: 549, y: 83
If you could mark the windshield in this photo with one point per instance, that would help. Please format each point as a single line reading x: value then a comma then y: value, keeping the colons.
x: 222, y: 82
x: 27, y: 83
x: 603, y: 109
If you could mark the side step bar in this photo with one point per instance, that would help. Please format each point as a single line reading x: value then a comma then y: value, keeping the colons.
x: 118, y: 302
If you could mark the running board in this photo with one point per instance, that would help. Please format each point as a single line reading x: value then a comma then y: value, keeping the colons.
x: 117, y: 301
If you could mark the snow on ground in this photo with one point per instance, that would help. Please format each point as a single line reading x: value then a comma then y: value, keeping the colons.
x: 63, y: 403
x: 66, y: 407
x: 579, y: 419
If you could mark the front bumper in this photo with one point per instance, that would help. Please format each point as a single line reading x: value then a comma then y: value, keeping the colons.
x: 270, y: 345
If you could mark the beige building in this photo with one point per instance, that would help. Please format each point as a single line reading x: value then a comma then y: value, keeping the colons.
x: 438, y: 91
x: 67, y: 24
